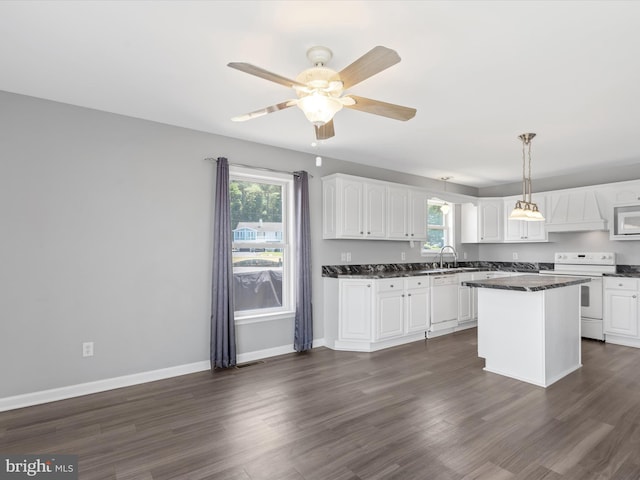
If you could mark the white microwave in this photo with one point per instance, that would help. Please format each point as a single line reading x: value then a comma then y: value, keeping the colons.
x: 629, y: 223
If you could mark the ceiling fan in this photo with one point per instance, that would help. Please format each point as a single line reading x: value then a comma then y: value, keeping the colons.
x: 320, y: 89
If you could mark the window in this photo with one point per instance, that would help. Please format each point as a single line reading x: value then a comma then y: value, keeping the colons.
x: 262, y: 238
x: 439, y: 227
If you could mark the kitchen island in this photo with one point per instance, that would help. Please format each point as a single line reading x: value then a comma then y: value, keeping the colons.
x: 529, y: 326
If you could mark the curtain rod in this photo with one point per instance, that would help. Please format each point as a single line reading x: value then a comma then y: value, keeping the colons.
x: 266, y: 169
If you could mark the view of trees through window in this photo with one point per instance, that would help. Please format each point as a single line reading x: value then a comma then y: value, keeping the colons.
x: 258, y: 244
x: 437, y: 230
x: 252, y: 202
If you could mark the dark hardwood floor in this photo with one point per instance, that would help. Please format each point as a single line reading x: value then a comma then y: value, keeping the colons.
x: 425, y: 410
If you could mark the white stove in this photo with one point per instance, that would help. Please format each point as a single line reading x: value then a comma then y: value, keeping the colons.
x: 592, y: 265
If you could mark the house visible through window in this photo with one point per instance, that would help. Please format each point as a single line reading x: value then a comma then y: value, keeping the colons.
x: 439, y: 227
x: 260, y: 214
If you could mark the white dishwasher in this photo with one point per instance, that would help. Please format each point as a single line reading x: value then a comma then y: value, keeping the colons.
x: 444, y: 302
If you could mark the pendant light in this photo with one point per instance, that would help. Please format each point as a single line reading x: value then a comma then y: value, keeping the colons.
x: 445, y: 207
x: 525, y: 209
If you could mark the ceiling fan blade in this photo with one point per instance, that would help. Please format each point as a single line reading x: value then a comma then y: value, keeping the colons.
x: 262, y: 73
x: 264, y: 111
x: 325, y: 131
x: 397, y: 112
x: 374, y: 61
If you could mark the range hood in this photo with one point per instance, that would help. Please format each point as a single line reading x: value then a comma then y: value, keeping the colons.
x: 575, y: 212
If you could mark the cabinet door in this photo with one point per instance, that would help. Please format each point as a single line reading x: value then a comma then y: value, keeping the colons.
x: 417, y: 310
x: 355, y: 309
x: 389, y: 314
x: 513, y: 229
x: 376, y: 211
x: 465, y: 304
x: 351, y: 208
x: 418, y: 215
x: 490, y: 220
x: 621, y: 312
x: 398, y: 213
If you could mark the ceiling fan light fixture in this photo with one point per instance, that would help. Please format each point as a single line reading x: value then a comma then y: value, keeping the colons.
x: 318, y: 108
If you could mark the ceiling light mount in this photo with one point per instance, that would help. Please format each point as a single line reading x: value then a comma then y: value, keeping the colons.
x: 319, y: 56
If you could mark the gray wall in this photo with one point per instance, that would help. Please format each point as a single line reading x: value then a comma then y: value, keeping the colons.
x: 106, y: 237
x: 627, y: 252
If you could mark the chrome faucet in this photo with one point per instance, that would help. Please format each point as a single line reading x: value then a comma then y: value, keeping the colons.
x: 455, y: 255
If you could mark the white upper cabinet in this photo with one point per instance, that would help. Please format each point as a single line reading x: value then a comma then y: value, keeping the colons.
x: 482, y: 223
x: 398, y: 213
x: 418, y: 215
x: 359, y: 208
x: 407, y: 214
x: 521, y: 230
x: 490, y: 220
x: 375, y: 195
x: 354, y: 208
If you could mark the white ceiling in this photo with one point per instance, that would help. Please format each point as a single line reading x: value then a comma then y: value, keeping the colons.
x: 479, y: 73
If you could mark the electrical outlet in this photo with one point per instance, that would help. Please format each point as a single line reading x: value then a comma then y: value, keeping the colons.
x: 403, y: 256
x: 348, y: 256
x: 343, y: 257
x: 87, y: 349
x: 464, y: 255
x: 515, y: 255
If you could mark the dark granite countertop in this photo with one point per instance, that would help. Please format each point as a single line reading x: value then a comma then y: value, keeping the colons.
x: 527, y: 283
x: 623, y: 274
x: 393, y: 270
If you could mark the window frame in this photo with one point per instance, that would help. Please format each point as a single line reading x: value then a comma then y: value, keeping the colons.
x: 448, y: 227
x: 245, y: 174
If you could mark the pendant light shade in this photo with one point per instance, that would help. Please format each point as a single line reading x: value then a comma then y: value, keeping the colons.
x: 525, y: 209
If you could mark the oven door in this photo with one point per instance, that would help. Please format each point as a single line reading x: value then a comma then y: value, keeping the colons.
x: 591, y: 298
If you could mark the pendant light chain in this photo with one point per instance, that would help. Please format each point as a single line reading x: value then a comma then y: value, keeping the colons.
x: 526, y: 209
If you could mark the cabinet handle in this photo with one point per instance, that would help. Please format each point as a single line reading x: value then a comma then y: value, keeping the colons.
x: 403, y: 295
x: 368, y: 286
x: 408, y: 295
x: 391, y: 286
x: 368, y: 233
x: 361, y: 233
x: 406, y: 234
x: 619, y: 284
x: 634, y: 296
x: 419, y: 283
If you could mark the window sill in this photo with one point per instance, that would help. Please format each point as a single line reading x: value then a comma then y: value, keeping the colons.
x: 265, y: 317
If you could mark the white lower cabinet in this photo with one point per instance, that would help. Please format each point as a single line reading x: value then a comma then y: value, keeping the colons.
x: 380, y: 313
x: 467, y: 300
x: 355, y: 309
x: 621, y: 311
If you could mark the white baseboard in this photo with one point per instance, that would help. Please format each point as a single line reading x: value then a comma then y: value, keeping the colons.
x: 55, y: 394
x: 62, y: 393
x: 273, y: 352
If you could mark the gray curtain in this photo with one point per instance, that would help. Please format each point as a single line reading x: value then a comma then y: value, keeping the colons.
x: 223, y: 333
x: 303, y: 335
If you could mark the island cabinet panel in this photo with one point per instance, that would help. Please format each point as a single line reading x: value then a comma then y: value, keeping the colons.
x: 528, y: 327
